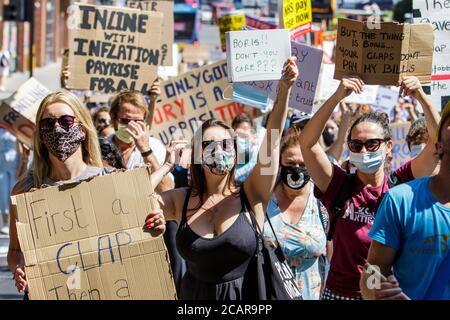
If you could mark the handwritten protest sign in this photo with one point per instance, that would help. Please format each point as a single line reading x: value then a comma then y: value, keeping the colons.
x: 166, y: 8
x: 381, y: 56
x: 257, y: 54
x: 196, y: 53
x: 400, y: 150
x: 114, y: 48
x: 232, y: 21
x: 437, y: 13
x: 304, y: 89
x: 191, y: 98
x: 386, y: 100
x: 18, y: 112
x: 296, y: 16
x: 85, y: 241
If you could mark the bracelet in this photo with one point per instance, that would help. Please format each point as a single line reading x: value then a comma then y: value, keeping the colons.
x: 147, y: 153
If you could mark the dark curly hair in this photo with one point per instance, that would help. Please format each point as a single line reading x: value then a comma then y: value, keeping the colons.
x: 380, y: 118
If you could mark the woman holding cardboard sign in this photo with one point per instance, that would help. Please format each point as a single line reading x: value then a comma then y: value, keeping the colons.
x: 352, y: 200
x: 65, y: 149
x: 216, y: 236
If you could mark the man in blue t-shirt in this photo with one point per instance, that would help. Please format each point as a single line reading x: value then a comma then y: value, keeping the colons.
x: 411, y: 234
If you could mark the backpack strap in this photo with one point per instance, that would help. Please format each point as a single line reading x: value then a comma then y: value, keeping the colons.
x: 348, y: 186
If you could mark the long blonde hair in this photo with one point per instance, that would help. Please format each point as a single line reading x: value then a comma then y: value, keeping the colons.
x: 90, y: 145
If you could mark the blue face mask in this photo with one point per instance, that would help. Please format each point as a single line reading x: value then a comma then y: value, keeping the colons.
x: 368, y: 162
x: 417, y: 149
x: 251, y: 96
x: 244, y: 150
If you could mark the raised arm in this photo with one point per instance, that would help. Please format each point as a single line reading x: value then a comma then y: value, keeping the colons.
x: 154, y: 93
x: 316, y: 160
x: 425, y: 163
x: 260, y: 182
x: 336, y: 149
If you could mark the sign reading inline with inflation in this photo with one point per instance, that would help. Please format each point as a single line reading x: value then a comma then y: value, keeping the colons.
x: 382, y: 55
x: 192, y: 98
x: 113, y: 48
x: 296, y: 16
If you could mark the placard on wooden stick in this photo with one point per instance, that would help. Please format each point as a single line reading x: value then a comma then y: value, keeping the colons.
x: 114, y: 48
x: 381, y: 56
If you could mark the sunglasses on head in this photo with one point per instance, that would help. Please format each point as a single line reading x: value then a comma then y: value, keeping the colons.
x: 226, y: 144
x: 371, y: 145
x: 66, y: 122
x: 125, y: 121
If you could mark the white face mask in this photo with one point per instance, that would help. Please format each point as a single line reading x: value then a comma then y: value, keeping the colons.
x: 417, y: 149
x: 368, y: 162
x: 123, y: 135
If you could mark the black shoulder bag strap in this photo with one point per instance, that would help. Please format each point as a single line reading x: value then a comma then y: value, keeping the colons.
x: 345, y: 193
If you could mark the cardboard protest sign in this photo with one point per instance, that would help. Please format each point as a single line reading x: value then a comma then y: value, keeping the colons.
x: 232, y: 21
x: 191, y: 98
x: 386, y: 99
x: 114, y: 48
x: 195, y: 53
x: 166, y: 8
x: 85, y: 241
x: 382, y: 55
x: 257, y: 54
x: 400, y: 150
x: 437, y: 13
x: 296, y: 16
x: 18, y: 112
x: 304, y: 89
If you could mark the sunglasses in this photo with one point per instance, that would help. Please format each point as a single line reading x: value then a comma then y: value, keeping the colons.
x: 125, y: 121
x: 370, y: 144
x: 226, y: 144
x: 66, y: 122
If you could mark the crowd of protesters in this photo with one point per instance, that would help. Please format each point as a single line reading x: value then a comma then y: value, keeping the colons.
x: 332, y: 215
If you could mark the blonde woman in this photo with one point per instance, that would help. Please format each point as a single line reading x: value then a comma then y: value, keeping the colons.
x: 65, y: 149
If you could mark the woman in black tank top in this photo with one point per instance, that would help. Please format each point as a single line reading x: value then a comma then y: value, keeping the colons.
x: 215, y: 234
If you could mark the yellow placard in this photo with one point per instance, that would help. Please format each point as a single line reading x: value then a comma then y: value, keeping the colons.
x: 232, y: 22
x: 296, y: 15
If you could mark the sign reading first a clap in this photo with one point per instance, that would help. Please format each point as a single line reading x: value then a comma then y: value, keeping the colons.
x: 257, y: 54
x: 113, y: 48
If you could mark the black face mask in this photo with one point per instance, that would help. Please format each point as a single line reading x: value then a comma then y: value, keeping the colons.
x: 294, y: 177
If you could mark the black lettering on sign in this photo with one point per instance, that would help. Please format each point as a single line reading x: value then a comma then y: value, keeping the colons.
x: 112, y: 20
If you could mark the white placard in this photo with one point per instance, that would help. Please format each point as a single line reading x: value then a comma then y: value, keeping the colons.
x: 255, y: 55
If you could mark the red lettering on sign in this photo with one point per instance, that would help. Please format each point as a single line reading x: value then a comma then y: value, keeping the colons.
x: 180, y: 104
x: 167, y: 108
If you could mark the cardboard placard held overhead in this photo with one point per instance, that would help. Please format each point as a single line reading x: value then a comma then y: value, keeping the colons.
x: 86, y: 241
x: 114, y: 48
x: 18, y: 112
x: 303, y: 91
x: 400, y: 150
x: 296, y: 16
x: 191, y: 98
x: 195, y: 53
x: 382, y: 55
x: 439, y: 16
x: 257, y: 54
x: 166, y: 8
x: 232, y: 21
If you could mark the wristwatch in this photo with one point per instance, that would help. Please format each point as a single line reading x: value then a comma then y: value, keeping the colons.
x: 147, y: 153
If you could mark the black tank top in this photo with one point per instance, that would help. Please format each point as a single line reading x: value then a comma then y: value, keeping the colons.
x: 216, y: 266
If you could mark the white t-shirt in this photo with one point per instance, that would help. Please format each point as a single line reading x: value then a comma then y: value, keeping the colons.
x: 136, y: 160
